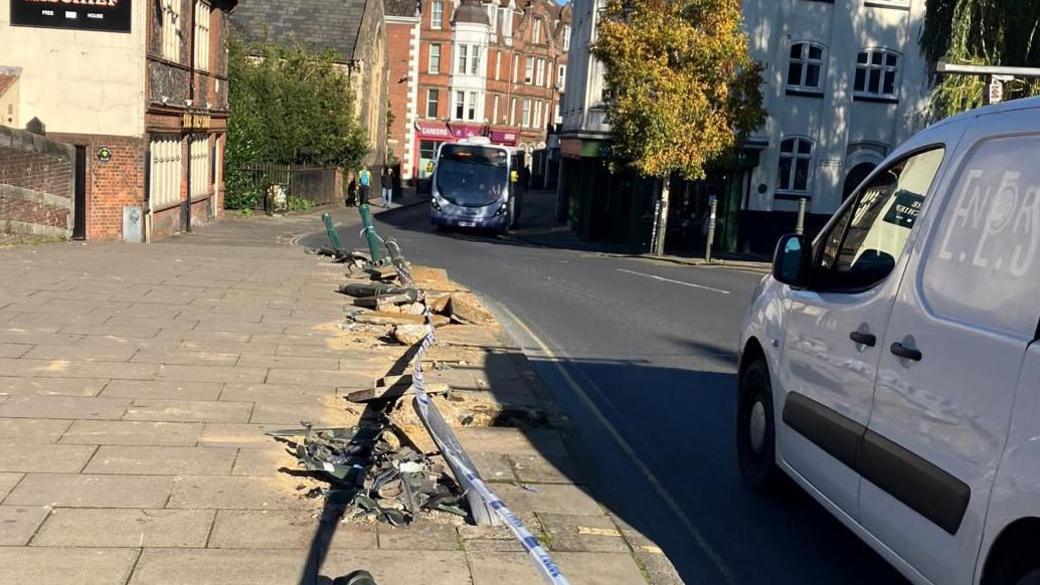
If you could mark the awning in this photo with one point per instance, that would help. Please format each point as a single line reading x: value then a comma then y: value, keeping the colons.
x: 432, y: 130
x: 505, y: 137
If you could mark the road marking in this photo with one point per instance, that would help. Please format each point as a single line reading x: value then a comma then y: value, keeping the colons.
x: 648, y: 475
x: 679, y: 282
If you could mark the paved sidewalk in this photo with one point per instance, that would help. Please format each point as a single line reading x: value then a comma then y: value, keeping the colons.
x: 136, y: 382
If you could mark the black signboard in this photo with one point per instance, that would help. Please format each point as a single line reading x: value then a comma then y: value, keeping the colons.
x: 106, y: 15
x: 905, y: 210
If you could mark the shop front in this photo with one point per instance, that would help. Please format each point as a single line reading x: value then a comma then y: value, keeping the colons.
x: 429, y: 135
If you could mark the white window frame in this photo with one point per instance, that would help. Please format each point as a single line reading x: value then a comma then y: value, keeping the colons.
x: 460, y: 105
x: 165, y: 173
x: 498, y: 65
x: 528, y: 70
x: 536, y: 30
x: 536, y: 119
x: 471, y: 106
x: 567, y: 38
x: 433, y: 66
x: 884, y: 70
x: 494, y: 110
x: 540, y: 73
x: 794, y: 156
x: 437, y: 14
x: 200, y: 166
x: 203, y: 14
x: 171, y: 30
x: 516, y: 68
x: 436, y: 93
x: 512, y: 112
x: 475, y: 55
x: 506, y: 15
x: 462, y: 54
x: 561, y: 77
x: 804, y: 62
x: 525, y: 119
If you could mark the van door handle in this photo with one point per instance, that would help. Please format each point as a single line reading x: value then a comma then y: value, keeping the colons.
x: 866, y: 339
x: 905, y: 352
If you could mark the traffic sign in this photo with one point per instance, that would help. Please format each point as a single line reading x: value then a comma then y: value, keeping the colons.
x: 996, y: 92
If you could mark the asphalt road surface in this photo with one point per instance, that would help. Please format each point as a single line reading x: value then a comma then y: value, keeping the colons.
x: 641, y: 357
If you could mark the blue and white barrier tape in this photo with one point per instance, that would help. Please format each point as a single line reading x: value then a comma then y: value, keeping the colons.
x: 452, y: 451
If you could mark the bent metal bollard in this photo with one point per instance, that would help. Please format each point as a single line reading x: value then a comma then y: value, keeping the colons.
x: 370, y: 234
x: 337, y: 245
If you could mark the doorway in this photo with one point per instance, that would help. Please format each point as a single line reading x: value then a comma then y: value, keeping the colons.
x: 79, y: 203
x: 857, y: 175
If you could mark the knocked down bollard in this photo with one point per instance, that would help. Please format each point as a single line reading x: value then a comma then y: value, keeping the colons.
x: 337, y: 245
x: 356, y: 578
x: 370, y: 234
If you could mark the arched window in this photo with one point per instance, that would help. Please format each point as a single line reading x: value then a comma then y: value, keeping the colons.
x: 805, y: 69
x: 877, y: 71
x: 796, y: 154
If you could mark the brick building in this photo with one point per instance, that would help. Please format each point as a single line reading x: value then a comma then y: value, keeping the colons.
x: 353, y: 29
x: 493, y: 68
x: 140, y: 90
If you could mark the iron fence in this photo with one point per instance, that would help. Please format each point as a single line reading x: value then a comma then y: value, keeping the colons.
x: 272, y: 187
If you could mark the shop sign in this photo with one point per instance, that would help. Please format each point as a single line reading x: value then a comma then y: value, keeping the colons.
x: 99, y: 15
x: 196, y: 121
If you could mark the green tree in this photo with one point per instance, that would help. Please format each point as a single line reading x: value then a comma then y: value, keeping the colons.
x: 980, y: 32
x: 289, y: 105
x: 681, y: 87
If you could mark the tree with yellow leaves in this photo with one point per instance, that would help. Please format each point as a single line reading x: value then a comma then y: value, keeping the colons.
x: 681, y: 87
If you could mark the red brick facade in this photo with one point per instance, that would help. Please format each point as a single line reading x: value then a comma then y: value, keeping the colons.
x: 399, y: 41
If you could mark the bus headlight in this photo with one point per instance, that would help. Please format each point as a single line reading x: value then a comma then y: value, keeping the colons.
x: 436, y: 205
x: 502, y: 208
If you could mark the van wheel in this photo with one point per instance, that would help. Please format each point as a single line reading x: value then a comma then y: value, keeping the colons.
x: 756, y: 435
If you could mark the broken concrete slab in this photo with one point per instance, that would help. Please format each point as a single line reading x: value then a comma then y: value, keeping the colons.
x: 408, y: 334
x: 468, y: 309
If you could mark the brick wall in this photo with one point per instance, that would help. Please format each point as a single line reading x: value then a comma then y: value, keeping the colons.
x: 36, y: 184
x: 110, y: 185
x: 398, y: 39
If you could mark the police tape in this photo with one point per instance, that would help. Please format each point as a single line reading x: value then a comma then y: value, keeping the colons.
x: 463, y: 467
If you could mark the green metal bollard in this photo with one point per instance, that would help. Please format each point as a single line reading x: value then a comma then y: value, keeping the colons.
x: 333, y: 236
x: 370, y: 234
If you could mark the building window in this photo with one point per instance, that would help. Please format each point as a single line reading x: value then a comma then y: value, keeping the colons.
x: 433, y: 97
x: 537, y: 121
x: 171, y: 30
x: 435, y: 58
x: 200, y: 180
x: 165, y: 172
x: 474, y: 59
x: 505, y: 15
x: 557, y: 119
x: 463, y: 51
x: 512, y: 112
x: 471, y: 111
x: 516, y: 67
x: 567, y: 38
x: 540, y: 76
x: 561, y: 78
x: 460, y: 104
x: 498, y: 65
x: 202, y: 17
x: 437, y: 14
x: 528, y: 70
x: 795, y: 162
x: 536, y: 31
x: 876, y: 72
x: 494, y: 110
x: 805, y: 68
x: 525, y: 120
x: 427, y: 153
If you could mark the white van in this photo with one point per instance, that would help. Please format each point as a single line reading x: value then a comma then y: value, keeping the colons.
x: 891, y: 367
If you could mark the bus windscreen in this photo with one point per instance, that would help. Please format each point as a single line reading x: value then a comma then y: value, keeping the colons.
x: 472, y: 176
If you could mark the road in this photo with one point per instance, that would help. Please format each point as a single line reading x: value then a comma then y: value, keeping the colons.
x: 641, y: 357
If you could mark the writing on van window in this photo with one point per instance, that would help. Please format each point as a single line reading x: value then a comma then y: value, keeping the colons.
x: 995, y: 222
x: 905, y: 210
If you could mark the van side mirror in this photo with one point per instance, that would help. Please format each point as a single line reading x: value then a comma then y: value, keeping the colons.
x: 791, y: 261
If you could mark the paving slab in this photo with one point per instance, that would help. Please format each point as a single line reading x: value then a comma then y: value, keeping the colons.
x: 66, y: 407
x: 276, y: 492
x: 186, y: 358
x: 103, y: 432
x: 326, y: 412
x: 128, y: 460
x: 7, y: 483
x: 27, y: 456
x: 334, y: 378
x: 162, y: 389
x: 512, y: 441
x: 90, y: 491
x: 237, y: 435
x: 557, y: 468
x: 35, y: 430
x: 18, y: 524
x: 84, y: 387
x: 14, y: 350
x: 570, y: 533
x: 105, y: 352
x: 579, y: 568
x: 548, y: 498
x: 289, y: 363
x: 84, y: 527
x: 188, y: 411
x: 204, y: 373
x: 61, y: 566
x: 419, y: 536
x: 265, y: 461
x: 274, y: 529
x: 61, y: 368
x: 395, y: 568
x: 303, y: 393
x: 489, y: 539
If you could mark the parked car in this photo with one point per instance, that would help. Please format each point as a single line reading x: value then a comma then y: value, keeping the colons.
x: 891, y: 367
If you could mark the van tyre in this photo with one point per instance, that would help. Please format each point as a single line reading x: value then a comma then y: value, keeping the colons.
x: 756, y: 433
